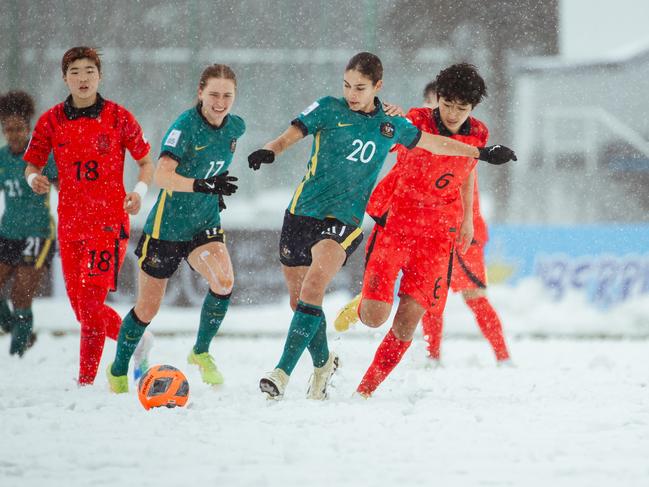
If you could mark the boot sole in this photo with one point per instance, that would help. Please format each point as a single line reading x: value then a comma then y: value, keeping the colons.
x: 268, y: 387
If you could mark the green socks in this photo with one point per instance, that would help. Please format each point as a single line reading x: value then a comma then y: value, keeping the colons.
x: 212, y: 313
x: 318, y: 348
x: 6, y: 316
x: 21, y: 331
x: 306, y: 320
x: 130, y: 333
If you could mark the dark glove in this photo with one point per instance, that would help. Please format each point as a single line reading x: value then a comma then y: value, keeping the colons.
x: 221, y: 203
x: 496, y: 154
x: 259, y: 157
x: 221, y: 184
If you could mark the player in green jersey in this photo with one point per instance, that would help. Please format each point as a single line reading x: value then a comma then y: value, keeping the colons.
x: 27, y: 228
x: 322, y: 225
x: 185, y: 223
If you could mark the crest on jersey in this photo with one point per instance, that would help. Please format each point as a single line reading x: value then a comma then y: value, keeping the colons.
x: 233, y: 145
x: 103, y: 144
x: 387, y: 130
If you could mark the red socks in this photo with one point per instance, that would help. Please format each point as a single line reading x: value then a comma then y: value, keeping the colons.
x: 387, y: 356
x: 90, y: 350
x: 432, y: 325
x: 490, y: 325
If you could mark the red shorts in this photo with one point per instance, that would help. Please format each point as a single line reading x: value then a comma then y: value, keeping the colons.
x: 94, y: 262
x: 469, y: 271
x: 425, y: 263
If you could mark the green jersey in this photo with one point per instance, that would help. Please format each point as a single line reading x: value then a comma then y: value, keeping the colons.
x: 349, y: 149
x: 201, y: 151
x: 26, y: 213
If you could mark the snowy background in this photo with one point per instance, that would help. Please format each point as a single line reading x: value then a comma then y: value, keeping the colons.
x: 567, y: 80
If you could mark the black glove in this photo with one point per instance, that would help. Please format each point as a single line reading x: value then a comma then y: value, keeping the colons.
x: 221, y: 203
x: 221, y: 184
x: 259, y: 157
x: 496, y: 154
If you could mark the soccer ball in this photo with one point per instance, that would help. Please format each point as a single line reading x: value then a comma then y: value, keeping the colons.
x: 163, y: 385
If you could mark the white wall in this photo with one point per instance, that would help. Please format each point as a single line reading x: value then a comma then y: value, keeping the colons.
x: 596, y: 28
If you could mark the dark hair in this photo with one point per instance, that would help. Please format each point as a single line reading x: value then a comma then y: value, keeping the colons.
x: 430, y: 88
x: 80, y: 52
x: 17, y: 103
x: 462, y: 83
x: 222, y: 71
x: 368, y: 65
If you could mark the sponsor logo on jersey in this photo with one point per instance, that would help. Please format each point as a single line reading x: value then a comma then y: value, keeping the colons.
x: 233, y: 145
x: 172, y: 138
x: 340, y: 124
x: 387, y: 130
x: 103, y: 144
x: 310, y: 108
x: 199, y: 147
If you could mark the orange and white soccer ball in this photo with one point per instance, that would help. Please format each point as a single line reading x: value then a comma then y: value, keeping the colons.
x: 163, y: 385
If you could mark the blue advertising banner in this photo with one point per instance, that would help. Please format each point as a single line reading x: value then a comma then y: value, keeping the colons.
x: 610, y: 263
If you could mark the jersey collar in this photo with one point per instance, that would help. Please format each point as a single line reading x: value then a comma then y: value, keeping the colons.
x: 199, y: 107
x: 74, y: 113
x: 465, y: 128
x: 377, y: 109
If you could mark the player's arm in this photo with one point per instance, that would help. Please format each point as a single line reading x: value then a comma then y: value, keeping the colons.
x: 465, y: 237
x: 438, y: 144
x: 133, y: 200
x: 275, y: 147
x: 166, y: 177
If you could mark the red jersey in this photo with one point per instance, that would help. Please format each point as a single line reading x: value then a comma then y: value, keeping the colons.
x: 89, y: 148
x: 422, y: 190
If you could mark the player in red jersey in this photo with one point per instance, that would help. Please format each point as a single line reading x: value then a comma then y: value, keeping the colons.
x: 469, y: 277
x: 421, y: 205
x: 89, y: 136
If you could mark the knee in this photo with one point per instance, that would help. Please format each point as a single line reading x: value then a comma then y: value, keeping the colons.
x: 312, y: 291
x: 372, y: 317
x: 404, y: 331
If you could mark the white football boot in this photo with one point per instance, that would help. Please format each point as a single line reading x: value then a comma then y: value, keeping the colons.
x: 320, y: 378
x: 273, y: 384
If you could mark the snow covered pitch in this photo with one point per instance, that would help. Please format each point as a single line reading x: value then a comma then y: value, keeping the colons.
x: 573, y: 413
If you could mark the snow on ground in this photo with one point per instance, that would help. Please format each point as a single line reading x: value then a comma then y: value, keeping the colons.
x: 572, y: 412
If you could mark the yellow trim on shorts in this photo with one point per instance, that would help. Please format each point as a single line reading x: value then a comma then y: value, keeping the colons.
x: 352, y: 236
x: 310, y: 172
x: 46, y: 246
x: 44, y: 251
x: 158, y: 214
x: 144, y: 249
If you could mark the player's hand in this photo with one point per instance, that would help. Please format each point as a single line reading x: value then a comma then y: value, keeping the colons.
x: 259, y: 157
x: 393, y: 110
x: 465, y: 237
x: 221, y: 203
x: 222, y: 184
x: 496, y: 154
x: 132, y: 203
x: 40, y: 184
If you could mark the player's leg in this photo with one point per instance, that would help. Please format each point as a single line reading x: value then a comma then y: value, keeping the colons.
x: 24, y: 288
x: 212, y: 261
x: 394, y: 345
x: 433, y: 324
x: 470, y: 277
x: 6, y: 314
x: 488, y: 321
x: 384, y: 260
x: 158, y: 260
x: 327, y: 258
x: 424, y: 285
